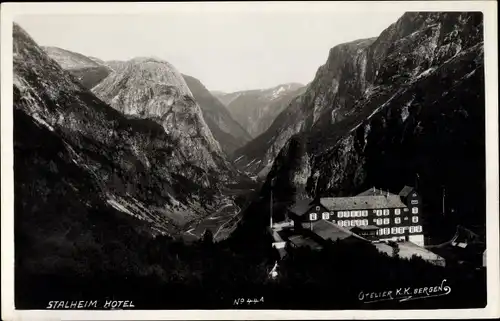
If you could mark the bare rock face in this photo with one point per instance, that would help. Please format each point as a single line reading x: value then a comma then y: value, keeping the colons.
x: 407, y: 109
x: 255, y: 110
x: 225, y: 129
x: 85, y: 173
x: 150, y: 88
x: 89, y: 71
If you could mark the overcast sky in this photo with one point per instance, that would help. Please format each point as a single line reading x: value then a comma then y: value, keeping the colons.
x: 225, y: 51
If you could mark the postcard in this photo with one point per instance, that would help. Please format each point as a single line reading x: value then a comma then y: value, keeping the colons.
x: 220, y: 160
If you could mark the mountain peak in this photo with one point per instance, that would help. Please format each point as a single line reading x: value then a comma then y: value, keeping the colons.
x: 147, y: 87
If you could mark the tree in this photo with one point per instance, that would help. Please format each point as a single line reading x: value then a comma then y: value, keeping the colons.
x: 208, y: 237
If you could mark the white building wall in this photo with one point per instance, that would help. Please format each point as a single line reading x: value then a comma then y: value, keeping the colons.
x: 417, y: 239
x: 279, y: 245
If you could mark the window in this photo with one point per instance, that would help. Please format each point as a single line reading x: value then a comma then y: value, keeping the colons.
x: 386, y: 212
x: 413, y: 202
x: 387, y: 231
x: 340, y: 214
x: 318, y: 208
x: 394, y: 230
x: 397, y: 220
x: 406, y: 209
x: 412, y: 229
x: 397, y: 211
x: 401, y: 230
x: 379, y: 221
x: 414, y: 219
x: 414, y: 210
x: 365, y: 213
x: 325, y: 215
x: 346, y: 214
x: 313, y: 216
x: 347, y: 223
x: 340, y: 223
x: 333, y: 221
x: 414, y: 194
x: 386, y: 221
x: 379, y: 212
x: 418, y: 228
x: 365, y: 222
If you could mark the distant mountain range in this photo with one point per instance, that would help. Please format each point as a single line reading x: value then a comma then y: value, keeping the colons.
x: 255, y: 110
x: 89, y: 71
x: 229, y: 133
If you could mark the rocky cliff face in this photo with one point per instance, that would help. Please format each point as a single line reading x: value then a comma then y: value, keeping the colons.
x: 255, y: 110
x: 84, y: 170
x: 88, y: 71
x: 225, y: 129
x: 411, y: 112
x: 328, y: 97
x: 149, y: 88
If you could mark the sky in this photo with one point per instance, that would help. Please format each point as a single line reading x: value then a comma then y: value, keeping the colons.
x: 226, y: 50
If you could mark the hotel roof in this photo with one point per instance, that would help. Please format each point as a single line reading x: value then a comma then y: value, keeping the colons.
x: 331, y: 231
x: 375, y: 192
x: 362, y: 202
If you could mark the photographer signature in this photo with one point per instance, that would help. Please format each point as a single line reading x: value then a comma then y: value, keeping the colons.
x: 405, y: 293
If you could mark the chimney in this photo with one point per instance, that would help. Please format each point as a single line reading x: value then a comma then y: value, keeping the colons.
x: 373, y: 189
x: 387, y: 193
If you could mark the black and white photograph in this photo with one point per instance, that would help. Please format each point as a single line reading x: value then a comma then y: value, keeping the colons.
x: 250, y: 157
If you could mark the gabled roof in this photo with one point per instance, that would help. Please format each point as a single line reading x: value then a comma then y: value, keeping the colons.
x: 331, y: 231
x: 374, y: 192
x: 304, y: 241
x: 406, y: 191
x: 301, y: 206
x: 362, y: 202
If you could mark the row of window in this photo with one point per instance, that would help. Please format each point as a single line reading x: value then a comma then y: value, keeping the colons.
x: 364, y: 213
x: 397, y: 220
x: 352, y: 223
x: 399, y: 230
x: 397, y: 211
x: 342, y: 214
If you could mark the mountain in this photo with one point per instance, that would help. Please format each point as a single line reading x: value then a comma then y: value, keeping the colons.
x: 115, y: 64
x: 87, y: 177
x: 89, y: 71
x: 225, y: 129
x: 255, y: 110
x: 149, y: 88
x: 404, y: 108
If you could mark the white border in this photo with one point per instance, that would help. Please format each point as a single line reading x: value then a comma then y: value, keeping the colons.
x: 489, y: 9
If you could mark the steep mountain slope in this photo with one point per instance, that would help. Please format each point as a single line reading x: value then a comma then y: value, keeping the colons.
x: 148, y: 88
x: 256, y: 109
x: 335, y: 87
x: 225, y: 129
x: 85, y: 173
x: 89, y: 71
x: 420, y: 119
